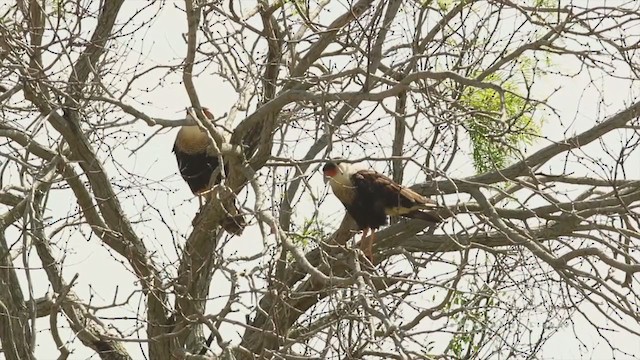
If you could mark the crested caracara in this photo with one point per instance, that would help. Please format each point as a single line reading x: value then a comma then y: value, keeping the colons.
x: 370, y: 197
x: 196, y: 166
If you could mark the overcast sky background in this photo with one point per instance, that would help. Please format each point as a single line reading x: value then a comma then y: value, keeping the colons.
x: 578, y: 103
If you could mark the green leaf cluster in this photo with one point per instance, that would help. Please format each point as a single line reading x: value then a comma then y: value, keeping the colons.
x: 312, y: 229
x: 498, y: 127
x: 470, y: 323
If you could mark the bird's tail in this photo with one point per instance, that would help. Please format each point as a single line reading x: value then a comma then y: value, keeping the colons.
x: 430, y: 217
x: 234, y: 224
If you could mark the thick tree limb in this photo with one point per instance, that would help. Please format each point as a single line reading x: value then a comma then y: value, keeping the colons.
x: 120, y: 233
x: 15, y: 331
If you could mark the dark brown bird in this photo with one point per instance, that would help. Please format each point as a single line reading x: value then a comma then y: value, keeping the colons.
x: 371, y: 197
x: 196, y: 166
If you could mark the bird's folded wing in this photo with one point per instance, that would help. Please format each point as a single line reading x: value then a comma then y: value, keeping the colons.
x: 382, y: 183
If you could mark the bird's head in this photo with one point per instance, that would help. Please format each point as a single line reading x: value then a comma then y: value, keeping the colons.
x: 334, y: 170
x: 330, y: 169
x: 205, y: 110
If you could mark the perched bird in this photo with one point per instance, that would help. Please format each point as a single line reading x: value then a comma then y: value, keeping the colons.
x: 370, y: 197
x: 196, y: 166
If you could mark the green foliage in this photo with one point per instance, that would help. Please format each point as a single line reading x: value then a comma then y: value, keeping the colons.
x: 545, y: 3
x: 445, y: 5
x: 312, y: 229
x: 471, y: 321
x: 498, y: 131
x: 299, y: 5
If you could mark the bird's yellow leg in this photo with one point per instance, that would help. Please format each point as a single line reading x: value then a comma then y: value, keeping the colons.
x: 365, y: 232
x: 372, y: 238
x: 365, y: 244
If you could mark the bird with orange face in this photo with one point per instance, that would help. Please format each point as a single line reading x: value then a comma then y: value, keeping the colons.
x: 370, y: 197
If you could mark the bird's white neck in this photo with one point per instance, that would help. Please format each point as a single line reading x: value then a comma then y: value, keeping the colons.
x: 192, y: 140
x: 342, y: 180
x: 342, y: 187
x: 191, y: 132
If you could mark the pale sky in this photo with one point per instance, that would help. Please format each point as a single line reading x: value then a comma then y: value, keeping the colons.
x: 576, y: 102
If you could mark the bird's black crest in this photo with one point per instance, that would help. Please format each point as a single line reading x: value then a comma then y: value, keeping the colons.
x: 330, y: 165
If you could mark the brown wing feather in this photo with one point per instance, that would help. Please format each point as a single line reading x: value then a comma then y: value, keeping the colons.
x: 391, y: 198
x: 384, y: 183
